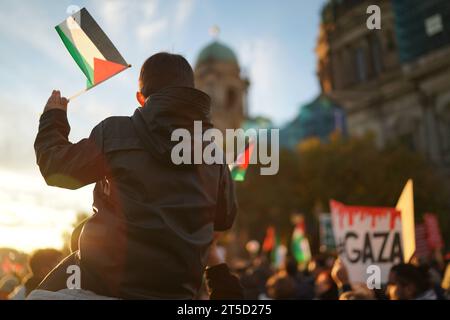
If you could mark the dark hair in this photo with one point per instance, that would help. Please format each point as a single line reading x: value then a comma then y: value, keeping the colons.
x: 291, y: 266
x: 333, y: 292
x: 281, y: 287
x: 44, y: 258
x: 165, y: 70
x: 411, y: 274
x: 321, y: 260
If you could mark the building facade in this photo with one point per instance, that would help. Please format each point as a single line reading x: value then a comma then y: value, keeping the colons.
x: 217, y: 72
x: 320, y: 118
x: 394, y: 82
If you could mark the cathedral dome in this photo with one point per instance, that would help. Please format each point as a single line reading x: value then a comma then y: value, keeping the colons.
x: 217, y: 51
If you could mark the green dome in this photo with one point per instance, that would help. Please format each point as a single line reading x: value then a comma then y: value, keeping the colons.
x: 217, y: 51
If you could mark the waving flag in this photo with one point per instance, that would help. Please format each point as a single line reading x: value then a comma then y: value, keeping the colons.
x: 278, y: 254
x: 272, y: 245
x: 91, y: 49
x: 300, y: 244
x: 239, y: 167
x: 269, y: 240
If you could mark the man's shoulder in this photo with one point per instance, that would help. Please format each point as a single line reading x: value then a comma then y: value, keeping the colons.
x: 116, y: 121
x: 117, y: 127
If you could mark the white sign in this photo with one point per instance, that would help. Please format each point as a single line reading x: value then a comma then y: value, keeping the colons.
x: 365, y: 237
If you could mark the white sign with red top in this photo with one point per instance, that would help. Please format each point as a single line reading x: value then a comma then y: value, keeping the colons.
x: 367, y: 236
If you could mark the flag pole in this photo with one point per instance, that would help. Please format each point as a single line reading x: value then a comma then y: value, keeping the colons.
x: 79, y: 93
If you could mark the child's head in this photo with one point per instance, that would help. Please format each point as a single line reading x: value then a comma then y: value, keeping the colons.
x: 164, y: 70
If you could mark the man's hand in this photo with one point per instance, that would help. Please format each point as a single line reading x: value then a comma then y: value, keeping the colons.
x: 339, y: 273
x: 56, y: 102
x: 214, y: 256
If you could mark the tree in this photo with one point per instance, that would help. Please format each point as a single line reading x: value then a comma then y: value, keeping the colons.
x: 354, y: 171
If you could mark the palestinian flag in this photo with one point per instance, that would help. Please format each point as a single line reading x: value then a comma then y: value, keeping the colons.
x: 273, y: 248
x: 300, y: 244
x: 90, y: 47
x: 239, y: 167
x: 269, y: 240
x: 278, y: 253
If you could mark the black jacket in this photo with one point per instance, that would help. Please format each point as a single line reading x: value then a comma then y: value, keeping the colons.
x: 153, y: 221
x: 222, y: 284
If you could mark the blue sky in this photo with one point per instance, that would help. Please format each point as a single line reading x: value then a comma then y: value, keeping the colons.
x: 274, y: 41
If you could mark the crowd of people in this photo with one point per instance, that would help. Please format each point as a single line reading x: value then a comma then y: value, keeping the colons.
x: 327, y: 278
x: 14, y: 286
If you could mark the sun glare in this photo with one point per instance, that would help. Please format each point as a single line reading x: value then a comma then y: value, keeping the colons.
x: 33, y: 215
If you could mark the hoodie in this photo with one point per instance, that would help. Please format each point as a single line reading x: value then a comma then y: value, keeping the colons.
x: 153, y: 221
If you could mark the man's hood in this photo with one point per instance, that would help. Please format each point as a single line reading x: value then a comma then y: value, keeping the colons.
x: 169, y: 109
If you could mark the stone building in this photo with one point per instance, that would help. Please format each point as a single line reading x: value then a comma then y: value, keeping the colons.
x: 217, y: 72
x: 319, y: 118
x: 394, y: 81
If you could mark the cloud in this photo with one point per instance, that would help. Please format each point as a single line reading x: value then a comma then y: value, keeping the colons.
x: 152, y: 23
x: 113, y: 13
x: 33, y: 215
x: 36, y: 33
x: 36, y: 192
x: 121, y: 15
x: 18, y: 123
x: 142, y: 18
x: 145, y: 33
x: 149, y: 8
x: 183, y: 11
x: 259, y: 61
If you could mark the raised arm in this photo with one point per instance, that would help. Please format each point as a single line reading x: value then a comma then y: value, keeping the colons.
x: 62, y: 163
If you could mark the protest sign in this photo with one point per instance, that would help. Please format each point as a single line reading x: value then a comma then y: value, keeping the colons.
x: 367, y: 236
x: 405, y: 205
x: 326, y: 232
x: 434, y: 236
x: 422, y: 248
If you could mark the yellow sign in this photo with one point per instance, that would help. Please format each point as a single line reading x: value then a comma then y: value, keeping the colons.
x: 405, y: 205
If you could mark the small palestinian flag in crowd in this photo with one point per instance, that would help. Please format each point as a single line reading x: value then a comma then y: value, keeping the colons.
x: 269, y: 240
x: 91, y: 48
x: 300, y: 244
x: 272, y: 246
x: 239, y: 168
